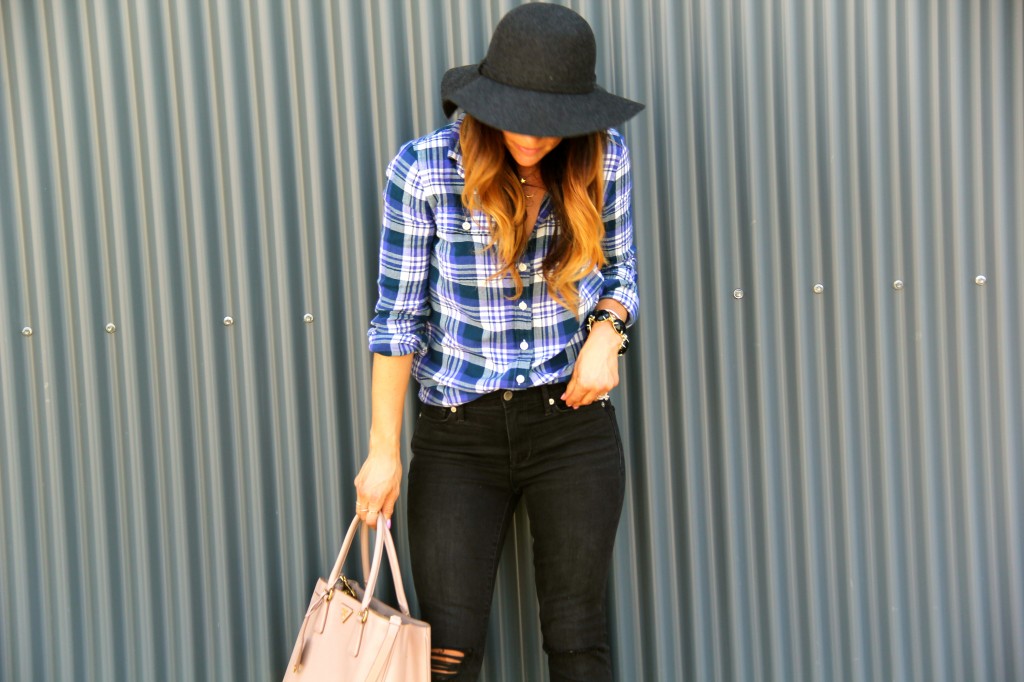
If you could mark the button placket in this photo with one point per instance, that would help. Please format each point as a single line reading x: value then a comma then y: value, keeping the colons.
x: 525, y: 320
x: 524, y: 315
x: 523, y: 327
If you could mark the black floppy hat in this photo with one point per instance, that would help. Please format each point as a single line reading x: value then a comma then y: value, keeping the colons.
x: 538, y: 77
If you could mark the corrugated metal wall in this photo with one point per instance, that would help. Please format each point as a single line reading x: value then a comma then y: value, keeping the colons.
x: 823, y: 408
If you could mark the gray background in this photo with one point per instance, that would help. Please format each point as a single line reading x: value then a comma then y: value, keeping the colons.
x: 822, y: 486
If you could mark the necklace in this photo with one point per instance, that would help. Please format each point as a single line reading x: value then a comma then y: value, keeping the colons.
x: 522, y: 181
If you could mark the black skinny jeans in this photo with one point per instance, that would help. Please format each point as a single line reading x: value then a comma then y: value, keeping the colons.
x: 469, y: 468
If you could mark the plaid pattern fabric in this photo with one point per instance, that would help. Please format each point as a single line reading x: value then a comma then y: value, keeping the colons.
x: 469, y: 336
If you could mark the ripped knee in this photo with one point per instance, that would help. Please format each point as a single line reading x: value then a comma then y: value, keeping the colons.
x: 445, y: 663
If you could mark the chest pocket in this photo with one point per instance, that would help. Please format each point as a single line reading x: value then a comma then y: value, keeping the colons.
x: 461, y: 252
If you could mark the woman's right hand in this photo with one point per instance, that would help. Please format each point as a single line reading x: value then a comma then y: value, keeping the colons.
x: 380, y: 479
x: 378, y: 485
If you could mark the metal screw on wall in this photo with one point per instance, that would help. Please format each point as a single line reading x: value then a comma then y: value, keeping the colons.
x: 980, y: 280
x: 110, y: 328
x: 26, y: 331
x: 228, y: 321
x: 898, y: 285
x: 737, y: 294
x: 819, y: 288
x: 308, y: 318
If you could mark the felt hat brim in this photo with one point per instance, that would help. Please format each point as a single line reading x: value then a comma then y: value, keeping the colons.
x: 530, y: 112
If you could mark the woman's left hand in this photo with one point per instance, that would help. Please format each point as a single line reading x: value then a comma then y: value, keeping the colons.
x: 597, y: 367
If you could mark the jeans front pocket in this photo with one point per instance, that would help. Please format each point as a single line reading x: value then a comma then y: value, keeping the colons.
x: 561, y: 408
x: 434, y: 413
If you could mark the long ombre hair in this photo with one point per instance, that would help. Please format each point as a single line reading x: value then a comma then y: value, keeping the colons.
x: 572, y: 173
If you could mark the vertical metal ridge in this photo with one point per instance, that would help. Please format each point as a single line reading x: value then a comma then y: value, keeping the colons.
x: 53, y: 534
x: 96, y: 571
x: 137, y: 527
x: 199, y: 64
x: 231, y: 580
x: 1011, y: 429
x: 13, y: 512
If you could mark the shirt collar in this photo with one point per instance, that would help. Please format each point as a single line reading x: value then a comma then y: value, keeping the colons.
x: 455, y: 150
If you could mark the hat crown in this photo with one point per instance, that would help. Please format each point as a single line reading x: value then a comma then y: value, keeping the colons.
x: 543, y: 47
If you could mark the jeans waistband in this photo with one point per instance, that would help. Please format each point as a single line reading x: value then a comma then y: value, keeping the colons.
x: 544, y: 396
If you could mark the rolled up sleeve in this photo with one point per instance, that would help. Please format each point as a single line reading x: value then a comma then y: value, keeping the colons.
x: 619, y: 270
x: 403, y: 308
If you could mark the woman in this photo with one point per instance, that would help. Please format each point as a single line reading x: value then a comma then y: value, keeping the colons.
x: 506, y: 282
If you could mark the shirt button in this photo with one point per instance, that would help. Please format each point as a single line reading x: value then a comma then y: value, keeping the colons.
x: 520, y: 379
x: 467, y: 226
x: 522, y: 267
x: 522, y: 305
x: 524, y: 345
x: 507, y: 395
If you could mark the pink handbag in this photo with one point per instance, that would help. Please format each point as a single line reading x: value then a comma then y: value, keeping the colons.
x: 348, y: 636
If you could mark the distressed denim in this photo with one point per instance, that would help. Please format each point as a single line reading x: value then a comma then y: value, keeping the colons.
x: 470, y: 467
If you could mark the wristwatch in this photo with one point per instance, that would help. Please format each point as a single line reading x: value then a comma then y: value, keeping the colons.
x: 617, y: 325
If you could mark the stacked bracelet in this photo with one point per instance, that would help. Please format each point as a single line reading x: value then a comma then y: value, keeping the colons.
x: 617, y: 324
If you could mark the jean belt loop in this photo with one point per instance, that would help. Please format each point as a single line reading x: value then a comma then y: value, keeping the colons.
x: 548, y: 393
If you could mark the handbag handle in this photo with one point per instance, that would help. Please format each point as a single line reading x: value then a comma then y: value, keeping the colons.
x: 383, y: 542
x: 364, y: 548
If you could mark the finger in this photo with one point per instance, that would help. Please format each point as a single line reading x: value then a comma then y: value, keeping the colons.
x: 388, y: 508
x: 371, y: 518
x: 573, y: 393
x: 569, y: 388
x: 581, y: 396
x: 595, y: 394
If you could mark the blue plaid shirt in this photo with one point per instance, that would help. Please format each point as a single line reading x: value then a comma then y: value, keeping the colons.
x: 469, y: 336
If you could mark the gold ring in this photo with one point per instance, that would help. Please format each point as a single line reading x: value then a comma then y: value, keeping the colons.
x: 362, y: 509
x: 373, y: 511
